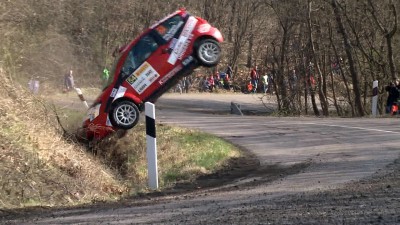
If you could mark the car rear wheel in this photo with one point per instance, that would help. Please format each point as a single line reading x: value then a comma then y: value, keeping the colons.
x: 208, y: 52
x: 124, y: 115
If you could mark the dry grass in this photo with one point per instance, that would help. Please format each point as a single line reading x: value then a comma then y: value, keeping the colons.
x: 183, y: 155
x: 37, y: 165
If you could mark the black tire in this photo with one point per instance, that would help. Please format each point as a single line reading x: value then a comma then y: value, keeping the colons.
x: 124, y: 115
x: 208, y: 52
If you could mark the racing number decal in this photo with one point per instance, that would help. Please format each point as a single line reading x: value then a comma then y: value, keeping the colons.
x: 181, y: 45
x: 143, y: 77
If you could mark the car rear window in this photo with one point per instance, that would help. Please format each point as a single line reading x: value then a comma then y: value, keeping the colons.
x: 169, y: 27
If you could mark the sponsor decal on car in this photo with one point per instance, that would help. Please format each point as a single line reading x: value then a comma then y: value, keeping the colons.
x: 120, y: 93
x: 113, y: 92
x: 173, y: 43
x: 170, y: 74
x: 145, y: 75
x: 179, y: 48
x: 185, y: 46
x: 93, y: 112
x: 131, y: 79
x: 188, y: 60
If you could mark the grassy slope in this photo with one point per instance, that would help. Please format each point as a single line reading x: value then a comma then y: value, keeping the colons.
x: 183, y: 155
x: 38, y: 166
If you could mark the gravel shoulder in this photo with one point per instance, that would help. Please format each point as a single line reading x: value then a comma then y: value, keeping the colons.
x: 373, y: 200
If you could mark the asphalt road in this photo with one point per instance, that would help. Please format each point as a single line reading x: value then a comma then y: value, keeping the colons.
x: 325, y: 153
x: 341, y: 150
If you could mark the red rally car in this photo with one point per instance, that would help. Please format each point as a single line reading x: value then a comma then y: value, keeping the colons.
x: 148, y: 66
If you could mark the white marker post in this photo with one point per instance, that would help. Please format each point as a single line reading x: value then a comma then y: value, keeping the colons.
x: 151, y: 145
x: 80, y: 95
x: 374, y: 98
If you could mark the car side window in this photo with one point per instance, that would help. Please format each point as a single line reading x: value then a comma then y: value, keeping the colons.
x: 139, y: 53
x: 169, y: 27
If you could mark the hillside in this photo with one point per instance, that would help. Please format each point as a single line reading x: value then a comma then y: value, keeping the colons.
x: 39, y: 166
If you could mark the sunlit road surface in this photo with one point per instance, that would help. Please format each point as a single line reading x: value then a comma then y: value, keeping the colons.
x: 338, y: 151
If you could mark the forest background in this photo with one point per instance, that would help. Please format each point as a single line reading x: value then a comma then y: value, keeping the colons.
x: 344, y: 45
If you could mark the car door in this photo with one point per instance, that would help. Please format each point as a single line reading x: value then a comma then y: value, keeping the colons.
x: 139, y: 72
x: 147, y: 62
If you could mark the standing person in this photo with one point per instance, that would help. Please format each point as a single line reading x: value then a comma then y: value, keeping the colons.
x: 254, y: 78
x: 217, y: 79
x: 178, y: 87
x: 33, y: 85
x: 227, y: 82
x: 393, y: 95
x: 205, y: 84
x: 186, y: 84
x: 69, y: 83
x: 271, y: 82
x: 211, y: 82
x: 105, y: 76
x: 397, y: 83
x: 265, y: 83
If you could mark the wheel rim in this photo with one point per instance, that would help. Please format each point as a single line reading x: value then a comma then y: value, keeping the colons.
x: 125, y: 115
x: 209, y: 52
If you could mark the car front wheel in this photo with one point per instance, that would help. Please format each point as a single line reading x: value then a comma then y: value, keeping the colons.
x: 208, y: 52
x: 124, y: 115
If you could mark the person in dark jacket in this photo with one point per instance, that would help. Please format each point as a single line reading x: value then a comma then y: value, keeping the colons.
x: 393, y: 95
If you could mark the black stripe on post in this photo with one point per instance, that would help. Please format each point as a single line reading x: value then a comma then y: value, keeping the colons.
x: 150, y: 126
x: 375, y: 91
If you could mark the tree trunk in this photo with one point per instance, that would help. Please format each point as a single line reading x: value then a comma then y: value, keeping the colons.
x: 232, y: 21
x: 322, y: 98
x: 349, y: 49
x: 274, y: 78
x: 334, y: 96
x: 280, y: 76
x: 337, y: 58
x: 310, y: 88
x: 250, y: 49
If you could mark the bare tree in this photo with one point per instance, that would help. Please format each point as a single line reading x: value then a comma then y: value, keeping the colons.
x: 388, y: 33
x: 322, y: 96
x: 350, y: 58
